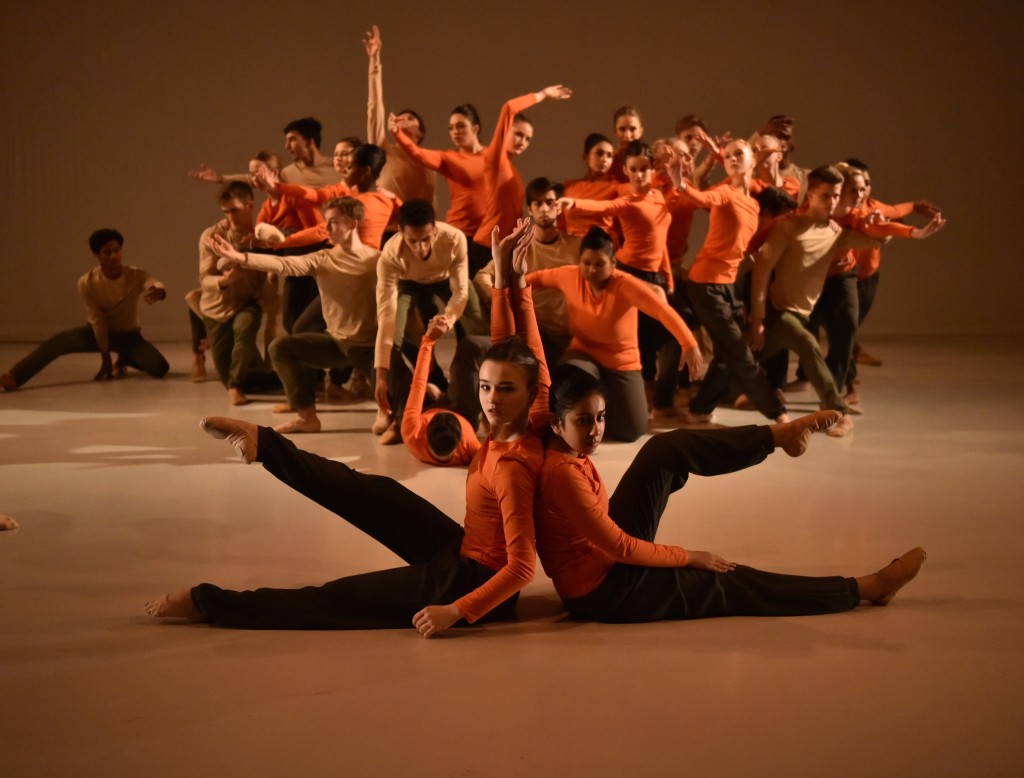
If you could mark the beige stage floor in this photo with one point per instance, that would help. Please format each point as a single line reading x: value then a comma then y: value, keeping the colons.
x: 120, y: 497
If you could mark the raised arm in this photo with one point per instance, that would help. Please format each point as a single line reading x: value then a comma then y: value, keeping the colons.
x: 376, y: 124
x: 413, y: 414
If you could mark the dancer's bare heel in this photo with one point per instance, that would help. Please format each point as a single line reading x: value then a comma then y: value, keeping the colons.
x: 793, y: 437
x: 177, y: 605
x: 242, y: 435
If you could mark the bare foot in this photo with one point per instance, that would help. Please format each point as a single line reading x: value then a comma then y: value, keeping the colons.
x: 381, y: 423
x: 198, y: 368
x: 299, y: 425
x: 174, y: 606
x: 689, y: 417
x: 339, y: 393
x: 893, y: 577
x: 7, y: 383
x: 6, y: 522
x: 841, y: 428
x: 390, y: 436
x: 282, y: 408
x: 237, y: 397
x: 794, y: 436
x: 242, y: 435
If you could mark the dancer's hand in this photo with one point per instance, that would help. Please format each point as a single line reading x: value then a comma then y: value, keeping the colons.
x: 755, y: 335
x: 705, y: 560
x: 206, y: 174
x: 436, y: 618
x: 437, y: 327
x: 106, y: 372
x: 154, y: 295
x: 694, y: 361
x: 556, y: 92
x: 372, y: 43
x: 936, y: 224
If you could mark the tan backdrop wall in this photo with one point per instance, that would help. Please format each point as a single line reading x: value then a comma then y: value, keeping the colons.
x: 107, y: 104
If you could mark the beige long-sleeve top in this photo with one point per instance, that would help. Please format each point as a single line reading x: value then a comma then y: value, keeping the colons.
x: 222, y: 304
x: 401, y: 175
x: 317, y: 176
x: 347, y: 280
x: 448, y: 259
x: 112, y: 304
x: 800, y: 251
x: 549, y: 305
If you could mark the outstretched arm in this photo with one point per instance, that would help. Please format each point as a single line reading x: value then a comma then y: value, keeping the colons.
x: 376, y: 126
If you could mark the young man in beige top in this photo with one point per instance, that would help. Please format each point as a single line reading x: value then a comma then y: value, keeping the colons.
x: 231, y: 298
x: 111, y: 293
x: 799, y: 250
x: 427, y: 259
x: 346, y: 275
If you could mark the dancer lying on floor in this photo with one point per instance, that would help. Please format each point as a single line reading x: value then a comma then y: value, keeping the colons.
x: 609, y: 569
x: 452, y: 573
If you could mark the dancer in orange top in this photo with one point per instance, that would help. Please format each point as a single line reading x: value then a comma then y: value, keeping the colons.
x: 504, y: 187
x: 452, y: 574
x: 603, y: 306
x: 596, y: 184
x: 462, y: 168
x: 601, y: 555
x: 628, y: 128
x: 711, y: 286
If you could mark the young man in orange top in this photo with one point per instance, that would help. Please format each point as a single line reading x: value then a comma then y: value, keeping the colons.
x: 550, y: 248
x: 711, y: 285
x: 837, y: 310
x: 231, y: 299
x: 502, y: 183
x: 462, y: 168
x: 111, y: 292
x: 869, y: 260
x: 800, y: 250
x: 401, y: 175
x: 425, y: 260
x: 346, y: 275
x: 603, y: 307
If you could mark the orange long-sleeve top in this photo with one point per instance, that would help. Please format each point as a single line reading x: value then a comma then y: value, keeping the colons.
x: 645, y: 221
x: 415, y: 419
x: 869, y: 260
x: 289, y: 214
x: 502, y: 479
x: 578, y: 542
x: 604, y: 325
x: 465, y: 175
x: 503, y: 185
x: 378, y: 210
x: 857, y: 219
x: 577, y: 222
x: 790, y: 185
x: 733, y: 224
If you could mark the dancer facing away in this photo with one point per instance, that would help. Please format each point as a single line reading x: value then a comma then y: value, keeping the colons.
x: 600, y: 552
x: 451, y: 573
x: 111, y: 293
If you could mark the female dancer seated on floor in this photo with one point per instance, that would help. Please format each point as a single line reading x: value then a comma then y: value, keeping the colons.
x: 603, y: 304
x: 452, y: 573
x: 610, y: 570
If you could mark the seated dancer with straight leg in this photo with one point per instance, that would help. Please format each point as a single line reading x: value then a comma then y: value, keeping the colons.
x: 452, y: 574
x: 600, y: 552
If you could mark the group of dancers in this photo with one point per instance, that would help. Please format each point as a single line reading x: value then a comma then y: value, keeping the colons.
x: 593, y: 283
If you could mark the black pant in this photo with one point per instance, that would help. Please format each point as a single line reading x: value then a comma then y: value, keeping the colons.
x: 720, y: 311
x: 867, y: 288
x: 424, y: 537
x: 631, y: 593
